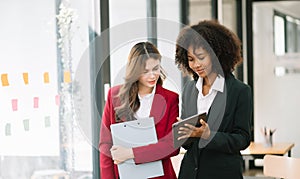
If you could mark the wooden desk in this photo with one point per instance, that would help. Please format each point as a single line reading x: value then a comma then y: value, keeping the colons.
x: 258, y: 150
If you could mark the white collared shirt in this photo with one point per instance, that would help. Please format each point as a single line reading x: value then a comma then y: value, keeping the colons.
x: 145, y: 105
x: 205, y: 102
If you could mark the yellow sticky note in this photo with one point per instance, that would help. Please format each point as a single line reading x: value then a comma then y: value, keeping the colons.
x: 46, y: 77
x: 25, y: 78
x: 67, y: 77
x: 4, y: 80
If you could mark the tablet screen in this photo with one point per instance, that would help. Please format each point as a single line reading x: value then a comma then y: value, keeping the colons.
x: 193, y: 120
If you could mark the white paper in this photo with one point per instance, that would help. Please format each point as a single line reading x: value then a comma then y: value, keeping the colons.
x: 136, y: 133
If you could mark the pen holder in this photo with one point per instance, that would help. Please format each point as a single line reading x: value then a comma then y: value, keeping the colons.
x: 268, y: 141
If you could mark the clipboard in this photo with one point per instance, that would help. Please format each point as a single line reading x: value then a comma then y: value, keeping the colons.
x: 193, y: 120
x: 136, y: 133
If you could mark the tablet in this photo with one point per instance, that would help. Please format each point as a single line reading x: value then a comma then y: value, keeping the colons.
x: 193, y: 120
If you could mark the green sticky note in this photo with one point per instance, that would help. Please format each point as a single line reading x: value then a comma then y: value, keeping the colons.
x: 26, y: 124
x: 8, y: 129
x: 47, y: 121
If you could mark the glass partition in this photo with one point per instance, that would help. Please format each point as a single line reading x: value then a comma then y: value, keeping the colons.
x: 40, y: 136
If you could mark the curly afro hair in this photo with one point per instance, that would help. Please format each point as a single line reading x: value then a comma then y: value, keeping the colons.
x: 223, y: 46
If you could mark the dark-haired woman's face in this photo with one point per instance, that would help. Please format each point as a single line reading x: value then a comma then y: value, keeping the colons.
x: 199, y: 61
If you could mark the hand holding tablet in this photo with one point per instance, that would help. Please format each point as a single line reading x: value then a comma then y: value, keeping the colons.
x: 179, y: 137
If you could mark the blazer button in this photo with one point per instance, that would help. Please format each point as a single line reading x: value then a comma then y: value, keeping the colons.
x: 196, y: 169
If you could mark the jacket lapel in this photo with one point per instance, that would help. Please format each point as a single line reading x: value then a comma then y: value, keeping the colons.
x: 159, y: 105
x: 217, y: 109
x: 193, y: 101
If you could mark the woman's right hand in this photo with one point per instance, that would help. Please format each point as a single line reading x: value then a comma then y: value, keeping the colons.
x: 191, y: 131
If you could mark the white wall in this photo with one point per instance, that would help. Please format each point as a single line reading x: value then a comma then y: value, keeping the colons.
x: 276, y: 99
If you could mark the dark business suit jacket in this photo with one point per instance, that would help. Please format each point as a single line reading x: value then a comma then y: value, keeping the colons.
x: 165, y: 110
x: 229, y: 119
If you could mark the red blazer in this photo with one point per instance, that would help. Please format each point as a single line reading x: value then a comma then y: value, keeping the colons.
x: 164, y: 110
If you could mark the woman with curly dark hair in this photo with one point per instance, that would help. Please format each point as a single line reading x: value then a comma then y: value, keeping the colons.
x: 209, y: 52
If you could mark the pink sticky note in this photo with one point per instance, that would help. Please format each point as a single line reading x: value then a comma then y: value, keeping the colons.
x: 14, y: 103
x: 57, y: 100
x: 35, y: 102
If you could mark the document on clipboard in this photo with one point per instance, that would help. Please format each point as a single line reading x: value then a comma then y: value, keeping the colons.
x: 136, y: 133
x: 193, y: 120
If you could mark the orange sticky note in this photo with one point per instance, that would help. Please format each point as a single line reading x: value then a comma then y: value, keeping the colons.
x: 36, y: 102
x: 46, y: 77
x: 14, y: 104
x: 25, y: 78
x: 67, y: 77
x: 4, y: 80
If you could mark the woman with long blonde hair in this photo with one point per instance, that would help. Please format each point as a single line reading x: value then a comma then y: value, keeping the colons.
x: 141, y: 96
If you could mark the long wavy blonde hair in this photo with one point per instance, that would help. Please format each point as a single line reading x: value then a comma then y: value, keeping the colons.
x: 128, y: 94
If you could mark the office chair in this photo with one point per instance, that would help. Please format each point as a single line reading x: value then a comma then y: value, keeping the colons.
x: 281, y: 167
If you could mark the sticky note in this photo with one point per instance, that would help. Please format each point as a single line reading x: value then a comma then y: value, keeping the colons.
x: 67, y: 77
x: 57, y: 100
x: 4, y: 79
x: 25, y: 78
x: 14, y: 104
x: 46, y: 77
x: 26, y: 124
x: 35, y: 102
x: 7, y: 129
x: 47, y: 121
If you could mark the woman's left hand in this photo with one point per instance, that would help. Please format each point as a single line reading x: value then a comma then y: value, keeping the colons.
x: 191, y: 131
x: 120, y: 154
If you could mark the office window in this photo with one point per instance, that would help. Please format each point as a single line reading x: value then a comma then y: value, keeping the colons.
x: 128, y: 25
x: 279, y: 35
x: 199, y: 10
x: 291, y: 34
x: 286, y: 34
x: 229, y: 14
x: 168, y: 27
x: 298, y: 34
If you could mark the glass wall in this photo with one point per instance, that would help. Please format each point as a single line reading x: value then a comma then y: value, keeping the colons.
x: 40, y: 131
x: 199, y: 10
x: 229, y: 17
x: 132, y: 19
x: 128, y: 25
x: 168, y: 27
x: 29, y: 123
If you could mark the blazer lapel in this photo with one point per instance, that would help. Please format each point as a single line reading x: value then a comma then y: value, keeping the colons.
x: 193, y: 101
x: 217, y: 110
x: 218, y: 107
x: 159, y: 105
